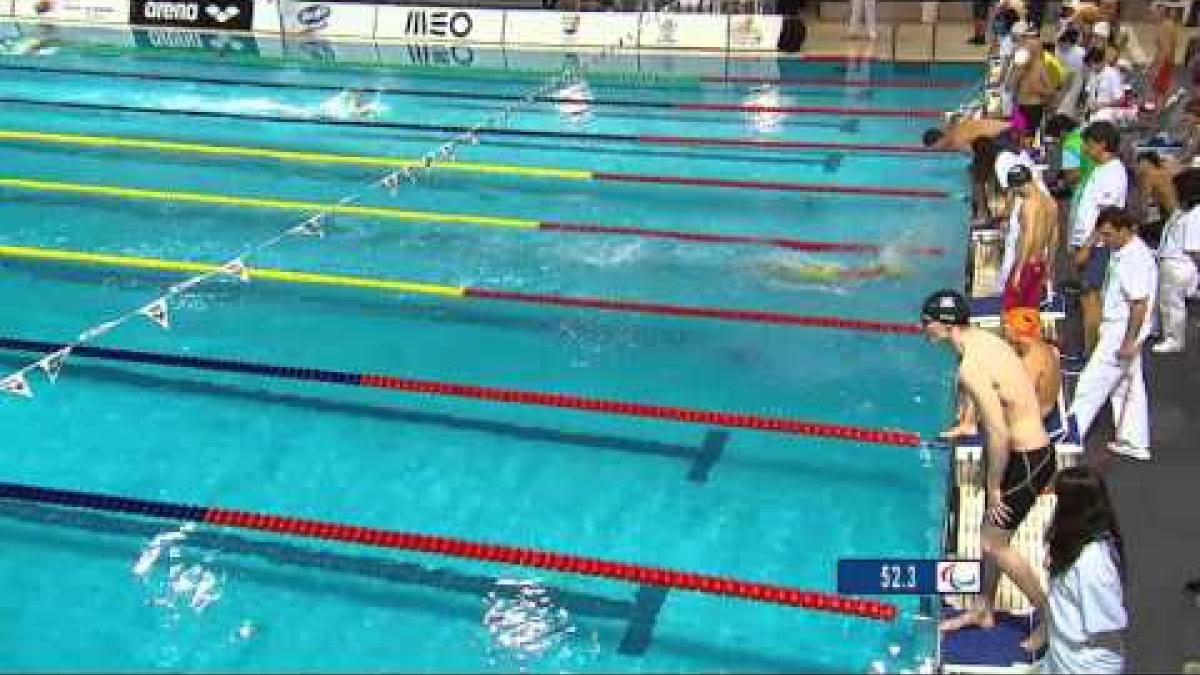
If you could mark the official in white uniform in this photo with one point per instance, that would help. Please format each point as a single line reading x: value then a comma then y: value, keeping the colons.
x: 1114, y: 370
x: 1086, y: 614
x: 1107, y: 185
x: 1178, y: 258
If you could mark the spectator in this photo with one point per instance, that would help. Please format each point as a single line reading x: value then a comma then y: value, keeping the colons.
x: 979, y: 14
x: 1158, y: 200
x: 1086, y: 617
x: 1071, y: 55
x: 1105, y: 88
x: 862, y: 19
x: 1107, y: 185
x: 1033, y: 87
x: 1178, y: 258
x: 1114, y: 370
x: 1076, y: 166
x: 1162, y: 68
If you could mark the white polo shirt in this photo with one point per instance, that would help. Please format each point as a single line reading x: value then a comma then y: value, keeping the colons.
x: 1132, y: 274
x: 1108, y: 185
x: 1105, y: 88
x: 1086, y: 615
x: 1181, y: 235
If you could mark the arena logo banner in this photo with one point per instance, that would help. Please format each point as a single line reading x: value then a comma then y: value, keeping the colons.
x: 223, y: 14
x: 221, y: 43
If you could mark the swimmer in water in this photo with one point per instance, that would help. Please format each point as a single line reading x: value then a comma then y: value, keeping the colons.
x: 350, y: 104
x: 791, y: 269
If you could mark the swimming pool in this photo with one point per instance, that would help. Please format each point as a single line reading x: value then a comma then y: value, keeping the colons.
x: 138, y: 594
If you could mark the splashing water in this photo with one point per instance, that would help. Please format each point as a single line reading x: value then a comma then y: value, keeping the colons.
x: 181, y: 582
x: 526, y: 628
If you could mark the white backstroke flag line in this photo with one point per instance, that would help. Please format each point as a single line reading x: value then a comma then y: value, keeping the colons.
x: 158, y: 313
x: 52, y: 363
x: 16, y: 385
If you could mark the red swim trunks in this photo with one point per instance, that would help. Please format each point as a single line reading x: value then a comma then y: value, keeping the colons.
x: 1163, y: 80
x: 1028, y: 291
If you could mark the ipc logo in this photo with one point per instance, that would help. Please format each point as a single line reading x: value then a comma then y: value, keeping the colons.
x: 959, y: 576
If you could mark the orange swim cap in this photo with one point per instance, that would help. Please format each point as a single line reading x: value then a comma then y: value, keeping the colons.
x: 1023, y: 322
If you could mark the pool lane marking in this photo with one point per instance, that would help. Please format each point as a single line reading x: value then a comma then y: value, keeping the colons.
x: 284, y: 155
x: 456, y: 548
x: 733, y: 420
x: 475, y: 167
x: 647, y: 139
x: 456, y: 218
x: 858, y: 111
x: 462, y: 292
x: 832, y: 82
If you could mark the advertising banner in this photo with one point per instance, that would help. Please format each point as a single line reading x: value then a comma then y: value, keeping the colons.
x: 592, y: 29
x: 6, y: 9
x: 221, y: 14
x: 666, y: 30
x: 754, y: 32
x: 440, y: 24
x: 440, y: 55
x: 328, y: 19
x: 85, y: 11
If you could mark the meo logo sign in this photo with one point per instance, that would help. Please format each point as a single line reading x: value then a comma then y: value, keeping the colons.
x: 421, y: 23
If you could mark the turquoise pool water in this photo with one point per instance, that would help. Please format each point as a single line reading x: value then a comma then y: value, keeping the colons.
x: 98, y: 591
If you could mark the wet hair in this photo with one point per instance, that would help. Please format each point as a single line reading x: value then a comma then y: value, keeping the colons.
x: 1059, y: 125
x: 1187, y: 188
x: 1105, y: 133
x: 1083, y: 514
x: 1116, y: 216
x: 932, y: 136
x: 1095, y: 55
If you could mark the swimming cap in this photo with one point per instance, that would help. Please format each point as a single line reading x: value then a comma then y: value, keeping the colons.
x: 1018, y: 176
x: 1023, y: 322
x: 946, y: 306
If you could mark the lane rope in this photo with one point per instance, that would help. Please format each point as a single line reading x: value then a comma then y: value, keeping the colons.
x: 782, y: 425
x: 503, y: 222
x: 455, y: 548
x: 651, y: 139
x: 613, y: 177
x: 448, y: 291
x: 858, y: 111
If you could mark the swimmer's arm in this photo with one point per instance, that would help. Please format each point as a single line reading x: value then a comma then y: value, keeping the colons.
x: 991, y: 413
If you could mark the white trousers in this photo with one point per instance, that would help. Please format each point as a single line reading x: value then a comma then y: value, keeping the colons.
x: 1104, y: 378
x: 1176, y: 281
x: 861, y: 10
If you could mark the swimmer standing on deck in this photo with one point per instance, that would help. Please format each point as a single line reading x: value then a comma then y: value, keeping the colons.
x: 1020, y: 460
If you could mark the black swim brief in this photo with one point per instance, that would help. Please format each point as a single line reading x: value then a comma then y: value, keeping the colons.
x: 1027, y: 474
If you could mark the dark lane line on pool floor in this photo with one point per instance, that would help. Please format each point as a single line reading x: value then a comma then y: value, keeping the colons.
x: 681, y: 106
x: 848, y: 126
x: 700, y: 459
x: 640, y: 614
x: 453, y: 547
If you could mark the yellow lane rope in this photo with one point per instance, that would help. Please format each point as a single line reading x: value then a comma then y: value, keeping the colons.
x: 284, y: 155
x: 254, y: 202
x: 186, y: 267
